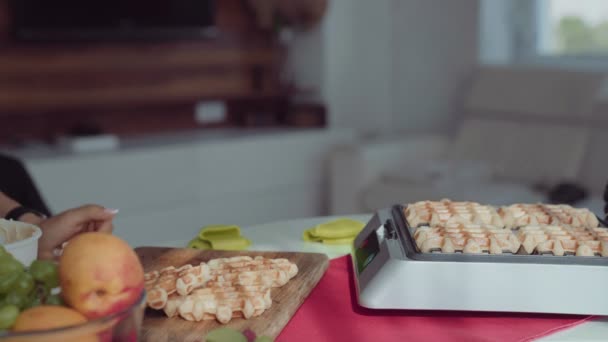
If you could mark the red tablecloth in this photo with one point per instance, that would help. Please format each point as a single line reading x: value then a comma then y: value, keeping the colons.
x: 331, y: 313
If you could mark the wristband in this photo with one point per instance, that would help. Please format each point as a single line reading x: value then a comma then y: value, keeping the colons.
x: 16, y: 213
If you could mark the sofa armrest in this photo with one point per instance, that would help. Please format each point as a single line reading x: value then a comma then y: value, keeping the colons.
x: 353, y: 167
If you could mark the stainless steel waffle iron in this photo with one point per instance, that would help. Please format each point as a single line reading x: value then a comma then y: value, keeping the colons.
x: 392, y: 273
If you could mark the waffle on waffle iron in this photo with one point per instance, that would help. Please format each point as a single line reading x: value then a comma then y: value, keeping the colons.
x: 429, y: 213
x: 466, y: 238
x: 218, y: 289
x: 519, y: 215
x: 472, y: 228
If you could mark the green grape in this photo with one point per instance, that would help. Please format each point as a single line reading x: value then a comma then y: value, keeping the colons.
x: 8, y: 316
x: 54, y: 300
x: 24, y: 284
x: 37, y: 296
x: 9, y: 265
x: 16, y: 299
x: 263, y: 339
x: 42, y: 291
x: 8, y: 281
x: 45, y: 272
x: 33, y: 301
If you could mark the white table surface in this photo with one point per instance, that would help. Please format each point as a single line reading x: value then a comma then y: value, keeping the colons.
x: 287, y: 236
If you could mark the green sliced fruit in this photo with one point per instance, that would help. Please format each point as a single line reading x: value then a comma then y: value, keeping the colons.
x: 8, y: 316
x: 225, y: 335
x: 264, y: 339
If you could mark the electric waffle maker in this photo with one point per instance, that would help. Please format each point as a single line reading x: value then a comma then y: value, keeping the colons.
x: 392, y: 273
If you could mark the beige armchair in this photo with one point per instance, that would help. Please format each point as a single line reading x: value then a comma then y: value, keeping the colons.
x: 523, y: 129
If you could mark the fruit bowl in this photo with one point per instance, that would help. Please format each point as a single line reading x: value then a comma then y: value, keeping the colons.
x: 121, y: 326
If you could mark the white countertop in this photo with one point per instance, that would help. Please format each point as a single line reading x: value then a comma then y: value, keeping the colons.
x: 287, y: 236
x: 43, y: 150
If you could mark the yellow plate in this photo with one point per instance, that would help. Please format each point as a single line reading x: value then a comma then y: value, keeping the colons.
x: 214, y: 231
x: 340, y: 231
x: 199, y: 244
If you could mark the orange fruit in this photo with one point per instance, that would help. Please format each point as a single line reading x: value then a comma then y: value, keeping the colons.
x: 47, y: 317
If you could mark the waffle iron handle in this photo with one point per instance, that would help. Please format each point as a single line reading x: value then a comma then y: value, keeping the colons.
x: 372, y: 225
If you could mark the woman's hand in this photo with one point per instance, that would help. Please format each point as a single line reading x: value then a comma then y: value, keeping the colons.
x: 59, y: 229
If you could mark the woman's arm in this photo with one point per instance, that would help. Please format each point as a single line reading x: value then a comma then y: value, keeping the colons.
x: 60, y: 228
x: 7, y: 204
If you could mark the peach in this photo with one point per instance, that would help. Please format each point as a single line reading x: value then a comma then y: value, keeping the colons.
x: 100, y: 275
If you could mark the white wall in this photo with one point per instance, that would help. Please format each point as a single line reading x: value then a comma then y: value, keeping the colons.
x: 358, y: 53
x: 435, y: 52
x: 496, y: 38
x: 388, y: 66
x: 167, y: 191
x: 305, y: 62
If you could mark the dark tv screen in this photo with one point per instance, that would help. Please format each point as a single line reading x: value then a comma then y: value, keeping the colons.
x: 111, y: 18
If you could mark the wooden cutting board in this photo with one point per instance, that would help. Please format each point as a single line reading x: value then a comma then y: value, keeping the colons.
x: 285, y: 300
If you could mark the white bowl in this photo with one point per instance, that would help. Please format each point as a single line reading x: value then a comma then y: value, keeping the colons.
x: 20, y: 239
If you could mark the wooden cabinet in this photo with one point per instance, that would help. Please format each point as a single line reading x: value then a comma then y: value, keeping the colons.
x: 135, y: 87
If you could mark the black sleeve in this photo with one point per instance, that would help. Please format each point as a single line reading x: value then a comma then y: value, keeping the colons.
x: 606, y: 201
x: 16, y: 182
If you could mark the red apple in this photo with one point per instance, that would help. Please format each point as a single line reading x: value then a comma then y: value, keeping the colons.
x: 100, y: 275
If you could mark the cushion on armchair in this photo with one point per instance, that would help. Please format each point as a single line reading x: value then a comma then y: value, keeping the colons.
x: 382, y: 194
x: 523, y: 152
x: 432, y: 171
